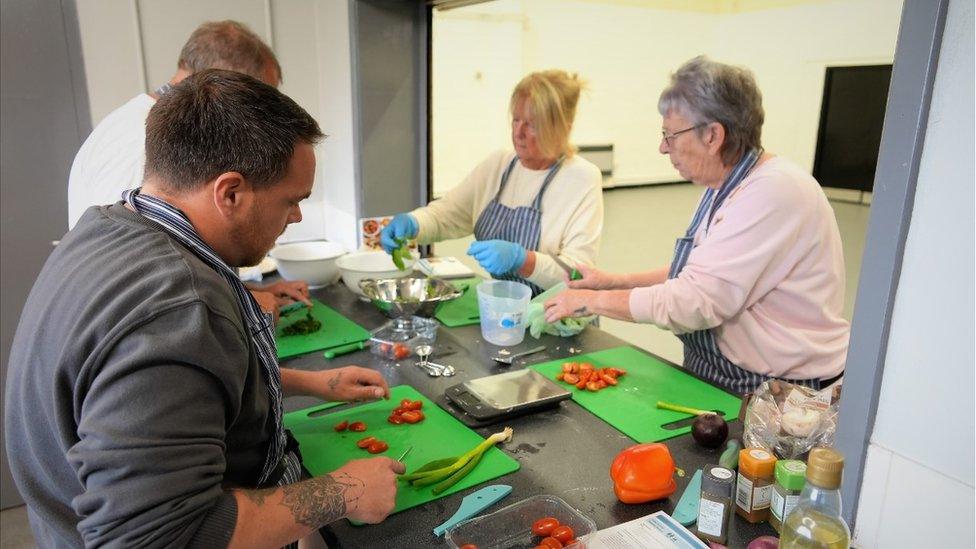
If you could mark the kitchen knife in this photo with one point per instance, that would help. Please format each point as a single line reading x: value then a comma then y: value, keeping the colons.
x: 474, y: 503
x: 686, y: 511
x: 571, y: 272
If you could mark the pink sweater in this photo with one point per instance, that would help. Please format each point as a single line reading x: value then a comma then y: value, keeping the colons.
x: 767, y: 277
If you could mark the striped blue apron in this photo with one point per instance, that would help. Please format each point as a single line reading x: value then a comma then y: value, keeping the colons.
x: 702, y: 355
x: 521, y: 225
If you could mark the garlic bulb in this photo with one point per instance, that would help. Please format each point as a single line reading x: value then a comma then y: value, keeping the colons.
x: 800, y: 422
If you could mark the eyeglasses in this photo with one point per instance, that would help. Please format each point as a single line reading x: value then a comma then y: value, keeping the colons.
x: 669, y: 138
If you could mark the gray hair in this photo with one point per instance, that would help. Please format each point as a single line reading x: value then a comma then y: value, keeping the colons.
x: 706, y: 91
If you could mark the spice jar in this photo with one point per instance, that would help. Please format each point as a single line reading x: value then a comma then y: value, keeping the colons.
x: 790, y: 477
x: 755, y: 484
x: 715, y: 506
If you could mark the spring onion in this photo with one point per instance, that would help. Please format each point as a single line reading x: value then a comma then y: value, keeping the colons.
x: 446, y: 472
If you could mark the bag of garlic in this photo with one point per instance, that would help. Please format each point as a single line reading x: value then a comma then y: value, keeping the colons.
x: 789, y: 419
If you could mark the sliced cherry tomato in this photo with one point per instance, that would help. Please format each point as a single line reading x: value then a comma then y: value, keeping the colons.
x: 551, y: 543
x: 586, y: 366
x: 581, y: 384
x: 544, y: 526
x: 422, y: 416
x: 413, y: 416
x: 572, y: 379
x: 568, y: 367
x: 592, y: 386
x: 357, y: 426
x: 563, y: 533
x: 341, y: 426
x: 469, y: 546
x: 415, y: 405
x: 560, y: 376
x: 621, y: 372
x: 378, y: 447
x: 395, y: 419
x: 601, y: 384
x: 365, y: 442
x: 608, y: 379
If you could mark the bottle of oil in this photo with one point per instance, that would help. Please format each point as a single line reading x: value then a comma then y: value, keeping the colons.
x: 815, y: 522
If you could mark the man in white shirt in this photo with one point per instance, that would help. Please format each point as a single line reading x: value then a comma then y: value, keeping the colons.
x: 112, y: 158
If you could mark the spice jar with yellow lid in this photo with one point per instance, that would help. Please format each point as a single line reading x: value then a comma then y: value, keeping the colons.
x: 755, y: 484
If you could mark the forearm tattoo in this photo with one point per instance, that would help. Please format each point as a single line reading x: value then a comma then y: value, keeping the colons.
x: 581, y: 311
x: 322, y: 500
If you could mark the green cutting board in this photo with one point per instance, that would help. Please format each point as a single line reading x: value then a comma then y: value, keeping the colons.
x: 631, y: 406
x: 336, y: 330
x: 438, y: 436
x: 463, y: 310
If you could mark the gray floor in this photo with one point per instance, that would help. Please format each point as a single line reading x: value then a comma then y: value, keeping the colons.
x: 639, y: 231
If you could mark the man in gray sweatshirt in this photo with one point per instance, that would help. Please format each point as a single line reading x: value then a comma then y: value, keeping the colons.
x: 143, y: 403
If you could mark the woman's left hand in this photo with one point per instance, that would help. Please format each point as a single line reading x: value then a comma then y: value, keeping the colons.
x: 350, y: 384
x: 570, y: 303
x: 498, y: 257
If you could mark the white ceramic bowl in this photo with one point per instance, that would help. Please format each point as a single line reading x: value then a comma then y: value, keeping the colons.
x: 313, y: 262
x: 377, y: 265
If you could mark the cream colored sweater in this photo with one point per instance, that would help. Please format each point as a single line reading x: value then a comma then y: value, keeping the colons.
x: 572, y: 210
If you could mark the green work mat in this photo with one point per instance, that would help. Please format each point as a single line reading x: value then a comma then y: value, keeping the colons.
x: 336, y: 330
x: 437, y: 436
x: 631, y: 406
x: 463, y: 310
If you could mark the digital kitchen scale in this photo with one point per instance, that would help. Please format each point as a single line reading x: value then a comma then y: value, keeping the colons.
x: 502, y: 395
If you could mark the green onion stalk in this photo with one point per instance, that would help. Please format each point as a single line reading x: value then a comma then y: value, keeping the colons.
x: 446, y: 472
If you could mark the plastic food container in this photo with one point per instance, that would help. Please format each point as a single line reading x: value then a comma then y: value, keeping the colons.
x: 503, y: 304
x: 512, y: 525
x: 393, y: 344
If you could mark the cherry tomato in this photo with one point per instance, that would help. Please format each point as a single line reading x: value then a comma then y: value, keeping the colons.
x: 469, y: 546
x: 341, y: 426
x: 581, y: 384
x: 560, y: 376
x: 422, y: 416
x: 415, y: 405
x: 400, y: 351
x: 563, y: 533
x: 365, y: 442
x: 567, y: 367
x: 544, y: 526
x: 586, y: 366
x: 413, y: 416
x: 378, y: 447
x: 601, y: 384
x: 608, y: 379
x: 590, y: 386
x: 572, y: 379
x: 551, y: 543
x: 395, y: 419
x: 357, y: 426
x: 570, y: 542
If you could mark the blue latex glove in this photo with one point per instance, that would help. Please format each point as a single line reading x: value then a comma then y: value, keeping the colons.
x: 402, y: 226
x: 498, y: 257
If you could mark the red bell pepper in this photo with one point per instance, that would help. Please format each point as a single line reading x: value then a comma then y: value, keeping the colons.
x: 643, y: 473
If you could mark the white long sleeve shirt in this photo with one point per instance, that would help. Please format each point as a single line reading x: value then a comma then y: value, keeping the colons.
x: 572, y: 210
x: 767, y: 277
x: 111, y: 160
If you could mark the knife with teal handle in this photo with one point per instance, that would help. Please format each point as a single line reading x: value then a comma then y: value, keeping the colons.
x: 686, y: 511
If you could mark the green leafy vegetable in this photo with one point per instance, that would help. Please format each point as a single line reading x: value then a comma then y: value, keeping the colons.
x: 401, y: 253
x: 305, y: 326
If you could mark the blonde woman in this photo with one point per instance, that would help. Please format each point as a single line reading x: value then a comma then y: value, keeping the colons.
x: 527, y: 208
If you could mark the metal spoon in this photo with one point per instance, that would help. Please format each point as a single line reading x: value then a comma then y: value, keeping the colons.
x: 445, y: 370
x: 423, y: 352
x: 510, y: 358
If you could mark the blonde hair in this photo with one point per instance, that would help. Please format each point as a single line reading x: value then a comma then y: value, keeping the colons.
x: 551, y: 96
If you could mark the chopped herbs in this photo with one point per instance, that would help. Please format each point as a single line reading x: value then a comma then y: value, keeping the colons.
x: 305, y: 326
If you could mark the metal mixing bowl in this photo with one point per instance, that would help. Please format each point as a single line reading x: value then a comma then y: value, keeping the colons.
x: 400, y: 297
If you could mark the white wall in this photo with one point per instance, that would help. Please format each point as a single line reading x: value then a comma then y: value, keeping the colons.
x: 918, y: 485
x: 130, y: 46
x: 627, y: 50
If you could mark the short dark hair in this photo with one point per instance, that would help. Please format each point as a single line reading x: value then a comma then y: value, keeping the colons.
x: 227, y: 45
x: 218, y: 121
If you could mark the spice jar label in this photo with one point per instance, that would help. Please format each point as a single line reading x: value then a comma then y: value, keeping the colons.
x: 711, y: 515
x: 761, y: 497
x: 743, y: 493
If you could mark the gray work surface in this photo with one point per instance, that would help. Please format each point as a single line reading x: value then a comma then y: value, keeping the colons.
x: 565, y: 451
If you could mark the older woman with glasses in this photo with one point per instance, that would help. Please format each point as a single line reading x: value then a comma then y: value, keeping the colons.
x: 532, y: 210
x: 755, y: 289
